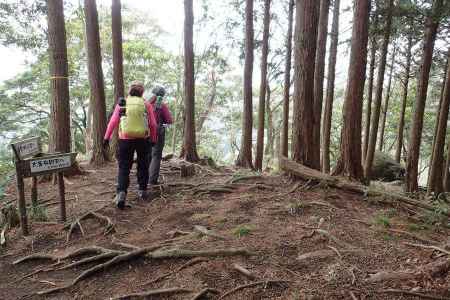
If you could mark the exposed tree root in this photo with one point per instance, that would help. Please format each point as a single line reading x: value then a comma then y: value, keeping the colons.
x: 352, y: 295
x: 189, y: 263
x: 243, y: 178
x: 204, y: 292
x: 429, y: 247
x: 434, y: 269
x: 109, y: 227
x: 148, y: 252
x: 78, y: 252
x: 146, y: 294
x: 241, y: 287
x: 319, y: 254
x: 244, y: 271
x: 306, y: 173
x: 205, y: 231
x: 420, y: 295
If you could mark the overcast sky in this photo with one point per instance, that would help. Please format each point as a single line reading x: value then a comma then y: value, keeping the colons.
x: 169, y: 15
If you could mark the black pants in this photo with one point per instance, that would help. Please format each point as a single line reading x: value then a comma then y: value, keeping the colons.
x: 156, y: 156
x: 126, y: 155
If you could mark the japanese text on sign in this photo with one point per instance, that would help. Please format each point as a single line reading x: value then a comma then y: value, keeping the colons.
x: 28, y: 147
x: 48, y: 164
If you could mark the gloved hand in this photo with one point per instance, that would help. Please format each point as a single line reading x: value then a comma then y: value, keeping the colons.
x: 105, y: 143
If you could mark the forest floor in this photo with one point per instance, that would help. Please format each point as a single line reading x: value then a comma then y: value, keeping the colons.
x: 290, y: 240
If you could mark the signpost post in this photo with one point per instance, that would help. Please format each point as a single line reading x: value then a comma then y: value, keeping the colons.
x: 31, y: 162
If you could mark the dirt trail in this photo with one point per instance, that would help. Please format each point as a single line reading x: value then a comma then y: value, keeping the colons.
x: 307, y: 242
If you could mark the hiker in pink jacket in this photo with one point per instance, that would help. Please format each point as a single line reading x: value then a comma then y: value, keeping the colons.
x: 137, y: 133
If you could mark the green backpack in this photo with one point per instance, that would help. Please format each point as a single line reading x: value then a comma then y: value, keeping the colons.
x: 134, y: 124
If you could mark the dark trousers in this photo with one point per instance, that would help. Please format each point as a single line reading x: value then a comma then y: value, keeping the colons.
x: 126, y: 155
x: 156, y: 156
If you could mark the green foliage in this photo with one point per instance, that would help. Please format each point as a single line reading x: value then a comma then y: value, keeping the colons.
x: 242, y: 231
x: 38, y: 213
x: 382, y: 220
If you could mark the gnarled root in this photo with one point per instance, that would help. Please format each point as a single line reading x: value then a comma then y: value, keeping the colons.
x: 109, y: 227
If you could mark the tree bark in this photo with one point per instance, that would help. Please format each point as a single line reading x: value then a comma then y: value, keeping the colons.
x: 99, y: 153
x: 373, y: 56
x: 401, y: 123
x: 262, y: 90
x: 379, y: 93
x: 59, y: 84
x: 270, y: 129
x: 447, y: 170
x: 287, y: 81
x: 119, y: 89
x: 319, y: 73
x: 189, y: 149
x: 244, y: 158
x: 386, y: 103
x: 436, y: 181
x: 329, y: 99
x: 209, y: 103
x: 303, y: 149
x: 412, y: 165
x: 349, y: 163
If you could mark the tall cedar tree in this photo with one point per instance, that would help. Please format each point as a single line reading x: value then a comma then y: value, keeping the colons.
x: 99, y: 153
x: 386, y: 102
x: 262, y: 90
x: 349, y: 163
x: 329, y: 99
x: 189, y: 149
x: 379, y: 92
x: 245, y: 152
x: 412, y: 164
x: 401, y: 124
x: 373, y: 56
x: 60, y: 104
x: 436, y: 127
x: 319, y: 72
x: 119, y: 90
x: 307, y: 17
x: 436, y: 181
x: 287, y: 82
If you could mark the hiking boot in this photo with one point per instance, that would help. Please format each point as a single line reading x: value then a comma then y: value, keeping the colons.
x: 142, y: 195
x: 120, y: 200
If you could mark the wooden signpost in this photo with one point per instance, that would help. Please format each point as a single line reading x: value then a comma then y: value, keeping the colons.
x: 31, y: 162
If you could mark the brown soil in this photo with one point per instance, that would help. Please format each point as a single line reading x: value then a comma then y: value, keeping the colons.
x: 265, y: 220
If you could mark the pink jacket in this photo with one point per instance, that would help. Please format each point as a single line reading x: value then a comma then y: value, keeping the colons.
x: 165, y: 112
x: 115, y: 120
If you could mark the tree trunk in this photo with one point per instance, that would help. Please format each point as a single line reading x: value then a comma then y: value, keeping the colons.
x: 386, y: 103
x: 209, y: 103
x: 378, y: 93
x: 270, y: 130
x: 436, y: 182
x: 432, y: 23
x: 401, y: 123
x: 436, y: 125
x: 307, y: 17
x: 189, y: 149
x: 59, y: 84
x: 349, y: 163
x: 99, y: 153
x: 244, y: 158
x: 262, y: 90
x: 373, y: 56
x: 119, y: 90
x: 447, y: 170
x: 329, y: 99
x: 287, y: 81
x: 319, y: 72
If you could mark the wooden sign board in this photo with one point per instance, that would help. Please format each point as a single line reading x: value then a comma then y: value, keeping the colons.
x: 27, y: 148
x: 47, y: 164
